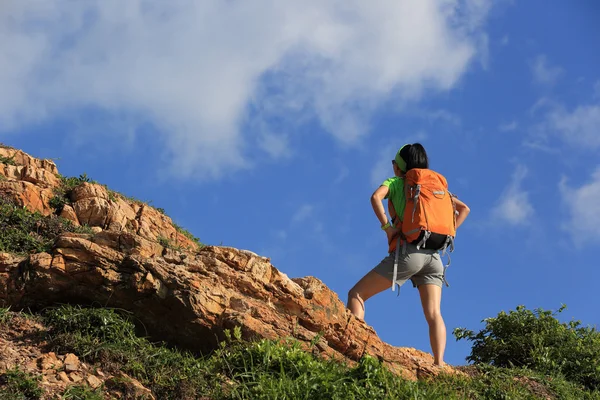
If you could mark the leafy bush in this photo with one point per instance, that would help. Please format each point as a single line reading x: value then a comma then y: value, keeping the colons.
x: 23, y: 231
x: 537, y: 340
x: 8, y: 160
x: 62, y: 194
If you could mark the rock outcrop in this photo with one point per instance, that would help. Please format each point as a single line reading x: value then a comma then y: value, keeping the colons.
x: 184, y: 293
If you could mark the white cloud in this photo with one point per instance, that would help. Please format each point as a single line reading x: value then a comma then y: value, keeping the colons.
x: 274, y: 145
x: 302, y: 213
x: 441, y: 116
x: 514, y: 206
x: 509, y: 126
x: 191, y: 68
x: 540, y: 144
x: 579, y: 127
x: 584, y: 209
x: 543, y: 73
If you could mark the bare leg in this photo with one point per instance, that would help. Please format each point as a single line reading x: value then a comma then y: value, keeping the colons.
x: 370, y: 284
x: 431, y: 297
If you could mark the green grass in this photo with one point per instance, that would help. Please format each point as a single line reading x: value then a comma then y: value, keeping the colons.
x: 258, y: 370
x: 167, y: 243
x: 273, y: 370
x: 19, y: 385
x: 24, y: 232
x: 188, y: 235
x: 5, y: 315
x: 80, y: 392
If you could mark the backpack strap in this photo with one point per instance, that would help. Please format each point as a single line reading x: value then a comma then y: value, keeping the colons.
x: 444, y: 273
x: 415, y: 198
x: 444, y: 251
x: 396, y: 262
x: 423, y: 241
x: 396, y: 257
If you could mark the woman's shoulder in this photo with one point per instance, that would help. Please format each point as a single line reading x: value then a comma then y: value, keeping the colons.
x: 394, y: 180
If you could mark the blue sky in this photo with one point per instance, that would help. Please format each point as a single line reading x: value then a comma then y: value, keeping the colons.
x: 268, y: 126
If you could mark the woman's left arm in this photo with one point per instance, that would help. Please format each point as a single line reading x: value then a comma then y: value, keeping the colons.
x: 462, y: 209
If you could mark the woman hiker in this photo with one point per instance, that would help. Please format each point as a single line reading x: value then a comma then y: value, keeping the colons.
x: 422, y: 266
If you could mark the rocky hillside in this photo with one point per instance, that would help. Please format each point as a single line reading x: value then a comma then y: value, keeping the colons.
x: 104, y: 297
x: 92, y: 246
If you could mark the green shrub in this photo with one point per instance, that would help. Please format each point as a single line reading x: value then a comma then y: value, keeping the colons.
x: 62, y: 193
x: 537, y: 340
x: 8, y: 160
x: 23, y: 231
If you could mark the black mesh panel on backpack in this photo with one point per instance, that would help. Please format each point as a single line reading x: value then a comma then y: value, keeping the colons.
x: 435, y: 242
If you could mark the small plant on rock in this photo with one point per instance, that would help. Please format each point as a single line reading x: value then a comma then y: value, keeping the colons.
x: 8, y: 160
x: 62, y: 194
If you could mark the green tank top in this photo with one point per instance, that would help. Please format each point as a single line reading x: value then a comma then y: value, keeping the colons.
x: 395, y: 186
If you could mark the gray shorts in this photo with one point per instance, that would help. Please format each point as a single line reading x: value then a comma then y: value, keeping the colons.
x: 422, y: 267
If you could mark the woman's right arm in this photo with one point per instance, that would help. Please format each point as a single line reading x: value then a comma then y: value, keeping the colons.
x: 377, y: 203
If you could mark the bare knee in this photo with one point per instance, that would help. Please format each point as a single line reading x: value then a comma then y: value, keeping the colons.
x: 355, y: 294
x: 433, y: 316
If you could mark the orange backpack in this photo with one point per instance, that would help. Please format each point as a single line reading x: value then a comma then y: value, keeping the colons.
x: 429, y: 219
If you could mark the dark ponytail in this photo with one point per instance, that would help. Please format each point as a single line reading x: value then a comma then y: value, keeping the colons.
x: 415, y: 156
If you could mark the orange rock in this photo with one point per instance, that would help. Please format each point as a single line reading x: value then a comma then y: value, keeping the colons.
x: 28, y: 168
x: 71, y: 363
x: 49, y: 361
x: 27, y: 194
x: 130, y: 386
x: 62, y: 375
x: 93, y: 382
x: 69, y: 213
x: 75, y: 377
